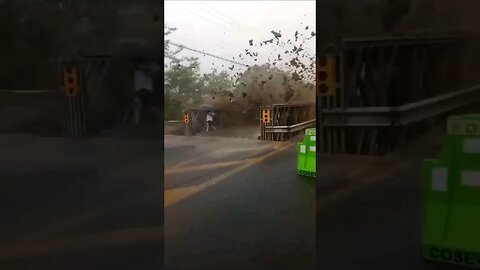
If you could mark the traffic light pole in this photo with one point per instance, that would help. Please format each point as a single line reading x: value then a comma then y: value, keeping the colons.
x: 75, y: 100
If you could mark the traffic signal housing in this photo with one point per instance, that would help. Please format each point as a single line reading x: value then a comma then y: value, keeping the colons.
x: 326, y: 81
x: 266, y: 117
x: 71, y: 82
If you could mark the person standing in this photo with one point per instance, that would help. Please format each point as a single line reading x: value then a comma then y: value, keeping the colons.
x: 210, y: 121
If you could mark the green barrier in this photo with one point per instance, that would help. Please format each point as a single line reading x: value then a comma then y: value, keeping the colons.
x: 451, y: 196
x: 306, y: 161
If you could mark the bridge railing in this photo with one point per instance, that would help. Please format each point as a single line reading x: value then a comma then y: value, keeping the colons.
x: 400, y: 115
x: 286, y: 120
x: 391, y: 89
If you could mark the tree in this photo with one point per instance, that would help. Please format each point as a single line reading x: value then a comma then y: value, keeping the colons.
x: 183, y: 85
x: 169, y: 53
x: 217, y: 84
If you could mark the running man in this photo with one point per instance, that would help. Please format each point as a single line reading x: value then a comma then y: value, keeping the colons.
x: 210, y: 121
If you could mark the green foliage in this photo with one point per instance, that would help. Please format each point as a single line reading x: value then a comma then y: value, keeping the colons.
x: 184, y: 85
x: 183, y: 81
x: 217, y: 83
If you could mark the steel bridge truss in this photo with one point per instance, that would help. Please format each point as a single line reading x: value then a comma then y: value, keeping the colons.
x: 381, y: 80
x: 86, y: 111
x: 287, y: 120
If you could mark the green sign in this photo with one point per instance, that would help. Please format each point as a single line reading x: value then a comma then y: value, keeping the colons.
x: 451, y: 196
x: 464, y: 126
x: 466, y: 258
x: 306, y: 154
x: 310, y: 131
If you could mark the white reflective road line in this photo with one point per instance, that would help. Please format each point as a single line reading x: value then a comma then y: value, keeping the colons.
x: 439, y: 179
x: 471, y: 146
x: 302, y: 148
x: 471, y: 178
x: 313, y: 138
x: 313, y: 149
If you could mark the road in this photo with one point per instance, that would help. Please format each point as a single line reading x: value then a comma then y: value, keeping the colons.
x: 90, y: 204
x: 236, y: 204
x: 372, y: 219
x: 230, y: 203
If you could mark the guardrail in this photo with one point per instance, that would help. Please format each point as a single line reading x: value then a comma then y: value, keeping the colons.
x: 401, y: 115
x: 25, y: 92
x: 287, y: 120
x: 292, y: 128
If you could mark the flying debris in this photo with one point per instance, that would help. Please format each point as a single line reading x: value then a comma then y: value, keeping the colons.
x: 276, y: 34
x: 250, y: 42
x: 295, y: 76
x: 231, y: 68
x: 294, y: 62
x: 268, y: 41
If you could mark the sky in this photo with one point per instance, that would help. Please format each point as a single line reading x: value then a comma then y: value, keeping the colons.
x: 224, y: 28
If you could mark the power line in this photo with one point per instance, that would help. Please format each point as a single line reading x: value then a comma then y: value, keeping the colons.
x: 207, y: 19
x: 223, y: 14
x: 222, y: 19
x: 226, y: 16
x: 205, y: 53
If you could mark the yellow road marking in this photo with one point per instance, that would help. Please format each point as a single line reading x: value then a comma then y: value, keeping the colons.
x: 174, y: 170
x: 172, y: 196
x: 119, y: 237
x: 186, y: 162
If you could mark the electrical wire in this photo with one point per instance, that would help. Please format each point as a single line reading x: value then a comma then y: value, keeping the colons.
x: 205, y: 53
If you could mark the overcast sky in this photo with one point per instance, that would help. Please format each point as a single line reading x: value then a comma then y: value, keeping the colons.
x: 224, y: 28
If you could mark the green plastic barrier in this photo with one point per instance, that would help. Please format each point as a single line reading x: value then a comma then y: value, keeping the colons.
x: 306, y: 161
x: 451, y: 196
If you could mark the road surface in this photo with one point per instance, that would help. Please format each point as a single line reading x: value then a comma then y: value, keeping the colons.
x: 90, y: 204
x: 230, y: 203
x: 235, y: 203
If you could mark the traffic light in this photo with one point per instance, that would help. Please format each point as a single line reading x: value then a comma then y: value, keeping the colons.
x: 326, y: 76
x: 266, y: 116
x: 186, y: 118
x: 70, y: 79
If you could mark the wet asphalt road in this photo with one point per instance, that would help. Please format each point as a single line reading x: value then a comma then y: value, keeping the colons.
x: 97, y: 205
x: 94, y: 204
x: 258, y: 215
